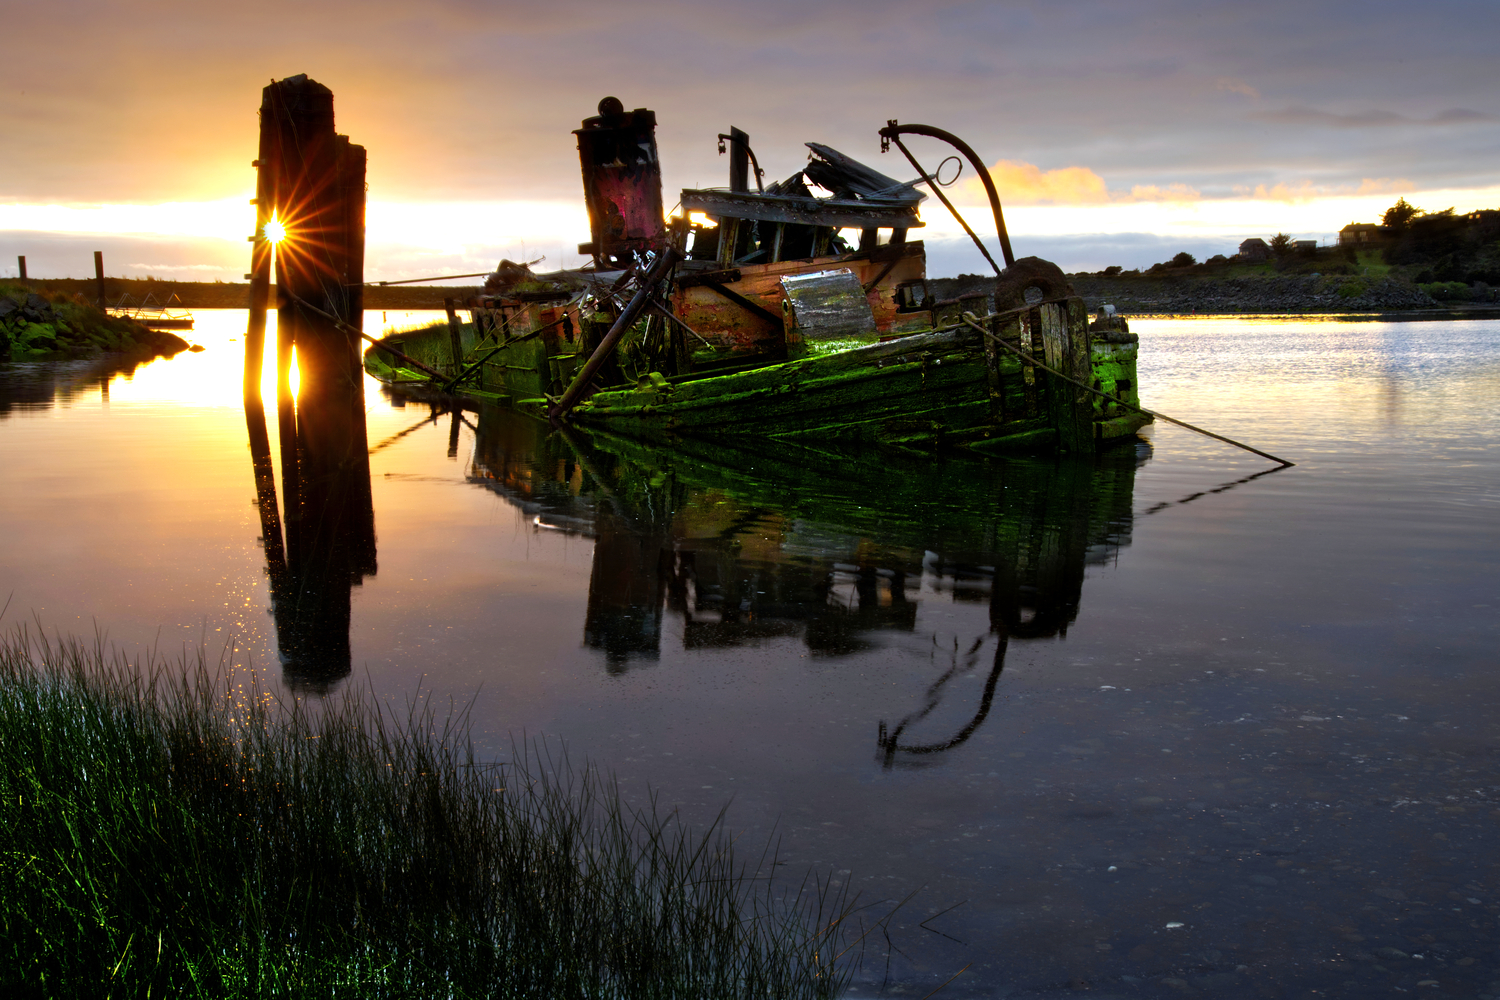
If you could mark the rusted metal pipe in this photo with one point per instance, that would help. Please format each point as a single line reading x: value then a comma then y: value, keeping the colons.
x: 663, y: 265
x: 893, y: 132
x: 952, y: 209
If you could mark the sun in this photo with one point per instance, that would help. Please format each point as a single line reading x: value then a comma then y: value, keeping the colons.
x: 275, y: 231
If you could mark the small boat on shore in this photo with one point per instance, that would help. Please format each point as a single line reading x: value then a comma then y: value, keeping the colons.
x: 749, y: 315
x: 171, y: 315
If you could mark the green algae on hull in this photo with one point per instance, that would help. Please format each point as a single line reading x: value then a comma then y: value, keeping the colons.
x: 936, y: 390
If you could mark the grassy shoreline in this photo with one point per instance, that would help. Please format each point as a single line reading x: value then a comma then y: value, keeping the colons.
x: 166, y: 832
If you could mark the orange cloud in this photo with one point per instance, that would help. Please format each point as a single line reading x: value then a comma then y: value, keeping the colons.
x: 1021, y: 183
x: 1152, y: 192
x: 1026, y: 184
x: 1384, y: 185
x: 1292, y: 194
x: 1305, y: 191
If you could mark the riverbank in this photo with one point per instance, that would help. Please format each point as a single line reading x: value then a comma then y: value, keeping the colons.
x: 41, y: 324
x: 1138, y: 295
x: 1271, y: 294
x: 1246, y: 295
x: 170, y: 831
x: 236, y: 295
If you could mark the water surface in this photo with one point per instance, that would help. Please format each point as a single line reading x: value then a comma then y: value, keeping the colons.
x: 1135, y: 726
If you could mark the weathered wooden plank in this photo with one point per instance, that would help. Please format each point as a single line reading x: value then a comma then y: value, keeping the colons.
x: 741, y: 331
x: 692, y: 278
x: 837, y: 213
x: 743, y: 303
x: 833, y: 170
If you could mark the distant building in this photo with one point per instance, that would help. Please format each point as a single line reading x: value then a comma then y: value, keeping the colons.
x: 1361, y: 234
x: 1254, y: 249
x: 1304, y: 244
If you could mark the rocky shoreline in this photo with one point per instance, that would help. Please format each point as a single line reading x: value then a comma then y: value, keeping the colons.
x: 1276, y: 295
x: 40, y: 327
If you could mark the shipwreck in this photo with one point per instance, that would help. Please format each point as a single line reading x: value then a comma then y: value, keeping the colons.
x: 751, y: 314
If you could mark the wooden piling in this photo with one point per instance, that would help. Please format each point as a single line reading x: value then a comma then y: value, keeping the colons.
x: 99, y: 276
x: 319, y: 184
x: 21, y: 263
x: 313, y: 181
x: 261, y: 255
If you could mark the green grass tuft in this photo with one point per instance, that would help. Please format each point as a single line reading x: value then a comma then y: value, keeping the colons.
x: 165, y: 831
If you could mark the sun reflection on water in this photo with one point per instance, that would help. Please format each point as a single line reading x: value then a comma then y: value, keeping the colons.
x: 212, y: 378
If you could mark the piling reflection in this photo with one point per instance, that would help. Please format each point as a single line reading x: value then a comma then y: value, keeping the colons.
x: 321, y: 543
x: 739, y: 545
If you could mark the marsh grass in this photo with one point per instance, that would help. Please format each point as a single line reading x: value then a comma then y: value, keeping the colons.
x: 166, y: 831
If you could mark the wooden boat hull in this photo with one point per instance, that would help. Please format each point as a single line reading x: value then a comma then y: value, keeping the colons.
x: 949, y: 386
x: 925, y: 392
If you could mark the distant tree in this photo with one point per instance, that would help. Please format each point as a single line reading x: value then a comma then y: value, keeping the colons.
x: 1184, y: 259
x: 1281, y: 244
x: 1112, y: 270
x: 1399, y: 215
x: 1430, y: 236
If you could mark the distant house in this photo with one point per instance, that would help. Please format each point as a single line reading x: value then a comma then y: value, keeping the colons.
x: 1361, y: 234
x: 1254, y: 249
x: 1304, y: 244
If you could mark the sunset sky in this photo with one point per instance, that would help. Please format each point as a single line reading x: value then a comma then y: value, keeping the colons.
x: 1118, y: 133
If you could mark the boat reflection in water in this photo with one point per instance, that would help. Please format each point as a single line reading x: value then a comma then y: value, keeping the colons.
x: 744, y: 546
x: 329, y: 524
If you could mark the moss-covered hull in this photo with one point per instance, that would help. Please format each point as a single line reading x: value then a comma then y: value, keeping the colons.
x: 926, y: 391
x: 922, y: 377
x: 929, y: 391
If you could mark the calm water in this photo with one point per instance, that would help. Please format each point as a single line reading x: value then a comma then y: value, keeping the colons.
x: 1143, y: 726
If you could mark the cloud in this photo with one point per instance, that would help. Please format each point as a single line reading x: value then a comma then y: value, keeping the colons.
x: 1461, y: 115
x: 1300, y: 192
x: 1236, y: 87
x: 1383, y: 185
x: 1176, y: 193
x: 1021, y: 183
x: 1155, y: 92
x: 1027, y: 184
x: 1376, y: 118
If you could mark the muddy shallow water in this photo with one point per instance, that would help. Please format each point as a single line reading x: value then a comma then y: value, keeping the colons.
x: 1136, y: 727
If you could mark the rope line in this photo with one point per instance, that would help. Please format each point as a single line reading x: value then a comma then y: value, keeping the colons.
x: 971, y: 320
